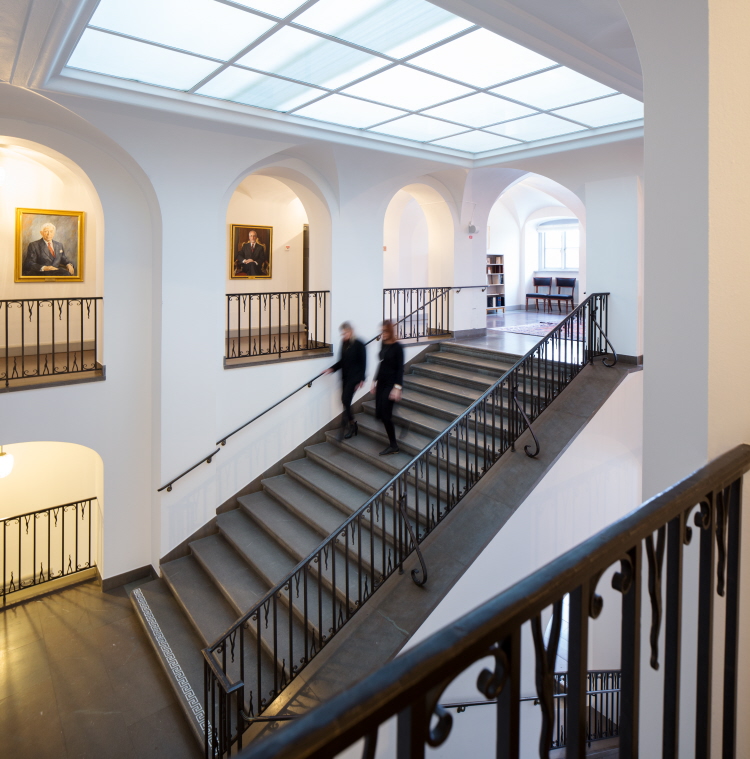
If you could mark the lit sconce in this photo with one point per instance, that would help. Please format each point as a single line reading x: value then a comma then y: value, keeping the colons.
x: 6, y: 463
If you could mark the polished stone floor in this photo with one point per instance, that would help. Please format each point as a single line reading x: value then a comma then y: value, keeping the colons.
x: 511, y: 342
x: 78, y: 680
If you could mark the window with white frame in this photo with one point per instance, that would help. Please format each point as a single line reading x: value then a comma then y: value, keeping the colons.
x: 559, y: 244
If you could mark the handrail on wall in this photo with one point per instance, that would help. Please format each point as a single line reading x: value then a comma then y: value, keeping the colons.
x: 223, y: 441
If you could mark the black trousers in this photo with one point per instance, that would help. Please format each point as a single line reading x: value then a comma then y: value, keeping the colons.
x: 347, y: 393
x: 384, y: 411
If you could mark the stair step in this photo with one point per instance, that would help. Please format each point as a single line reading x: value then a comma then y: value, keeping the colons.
x: 413, y: 419
x: 266, y: 556
x: 317, y: 511
x: 367, y: 449
x: 235, y: 578
x: 455, y: 375
x: 295, y: 536
x: 271, y: 562
x: 409, y: 440
x: 490, y: 367
x: 481, y: 353
x: 177, y: 647
x: 442, y: 389
x: 325, y: 483
x: 346, y: 496
x: 432, y: 405
x: 207, y: 610
x: 350, y: 467
x: 298, y: 537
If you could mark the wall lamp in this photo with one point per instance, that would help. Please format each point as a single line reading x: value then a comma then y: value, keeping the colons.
x: 6, y: 463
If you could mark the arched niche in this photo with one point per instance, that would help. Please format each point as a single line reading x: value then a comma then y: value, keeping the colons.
x: 37, y: 177
x: 512, y: 232
x: 286, y: 198
x: 72, y: 473
x: 418, y: 238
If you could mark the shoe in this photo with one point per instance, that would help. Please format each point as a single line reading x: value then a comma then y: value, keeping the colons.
x: 390, y: 449
x: 353, y: 431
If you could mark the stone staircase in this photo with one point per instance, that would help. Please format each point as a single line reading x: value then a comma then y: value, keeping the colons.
x: 199, y: 596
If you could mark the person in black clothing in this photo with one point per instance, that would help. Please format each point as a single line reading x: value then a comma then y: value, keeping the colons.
x: 387, y: 383
x: 353, y: 365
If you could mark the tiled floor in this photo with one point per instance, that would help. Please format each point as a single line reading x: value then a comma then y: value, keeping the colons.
x: 77, y: 679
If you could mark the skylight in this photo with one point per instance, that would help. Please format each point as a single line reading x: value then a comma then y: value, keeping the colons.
x: 395, y: 68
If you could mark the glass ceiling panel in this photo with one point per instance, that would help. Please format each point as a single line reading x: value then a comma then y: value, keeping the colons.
x: 242, y: 86
x: 348, y: 111
x: 478, y: 110
x: 536, y: 128
x: 407, y: 88
x: 554, y: 89
x: 198, y: 26
x: 309, y: 58
x: 418, y: 128
x: 278, y: 8
x: 394, y: 27
x: 475, y: 142
x: 117, y: 56
x: 482, y: 58
x: 612, y: 110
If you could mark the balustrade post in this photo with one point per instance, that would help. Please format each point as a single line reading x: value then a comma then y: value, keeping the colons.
x: 578, y: 645
x: 630, y: 645
x: 508, y: 741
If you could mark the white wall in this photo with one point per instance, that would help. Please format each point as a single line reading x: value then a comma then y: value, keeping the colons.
x: 615, y: 247
x: 406, y: 243
x: 114, y: 417
x: 595, y: 481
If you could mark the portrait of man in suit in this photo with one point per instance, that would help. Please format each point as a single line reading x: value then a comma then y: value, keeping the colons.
x: 48, y: 246
x: 251, y: 248
x: 47, y: 255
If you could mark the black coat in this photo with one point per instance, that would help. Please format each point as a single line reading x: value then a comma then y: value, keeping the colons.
x: 391, y: 369
x: 352, y: 362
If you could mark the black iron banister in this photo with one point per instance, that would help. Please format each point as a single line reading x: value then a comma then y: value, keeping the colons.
x: 443, y: 472
x: 403, y: 682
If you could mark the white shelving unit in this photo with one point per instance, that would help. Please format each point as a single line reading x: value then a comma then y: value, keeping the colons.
x: 495, y: 284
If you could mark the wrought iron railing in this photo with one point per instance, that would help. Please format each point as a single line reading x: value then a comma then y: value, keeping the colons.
x: 276, y: 324
x: 45, y: 545
x: 421, y: 312
x: 48, y: 338
x: 261, y: 653
x: 411, y: 685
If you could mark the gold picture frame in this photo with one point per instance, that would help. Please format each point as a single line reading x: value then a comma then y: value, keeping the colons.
x: 242, y: 266
x: 34, y: 261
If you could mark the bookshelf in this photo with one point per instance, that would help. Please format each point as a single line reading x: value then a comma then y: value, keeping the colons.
x: 495, y: 284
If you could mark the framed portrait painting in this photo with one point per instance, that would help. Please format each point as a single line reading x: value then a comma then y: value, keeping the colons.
x: 49, y: 245
x: 251, y: 251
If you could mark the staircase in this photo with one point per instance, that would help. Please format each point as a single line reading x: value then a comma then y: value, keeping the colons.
x: 199, y: 596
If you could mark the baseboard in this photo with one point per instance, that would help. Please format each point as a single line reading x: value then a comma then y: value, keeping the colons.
x: 462, y: 334
x: 116, y: 581
x: 183, y: 549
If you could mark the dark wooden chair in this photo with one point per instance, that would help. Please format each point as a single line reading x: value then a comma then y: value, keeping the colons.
x: 537, y: 296
x: 563, y: 283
